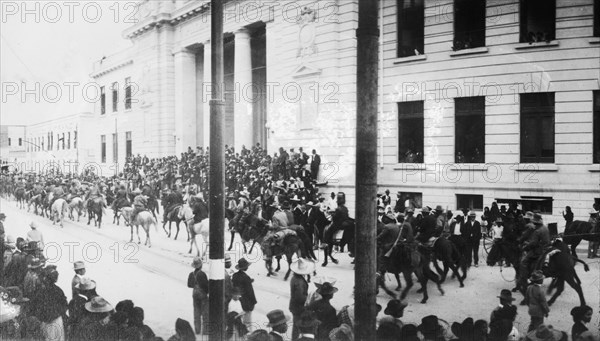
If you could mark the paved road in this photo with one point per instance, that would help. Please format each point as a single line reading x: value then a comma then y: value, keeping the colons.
x: 155, y: 278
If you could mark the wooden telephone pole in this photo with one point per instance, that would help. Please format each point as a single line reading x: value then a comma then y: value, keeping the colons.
x: 365, y: 285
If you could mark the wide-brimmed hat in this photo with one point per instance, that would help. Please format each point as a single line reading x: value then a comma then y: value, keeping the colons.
x: 506, y: 294
x: 15, y: 295
x: 303, y: 266
x: 395, y: 307
x: 425, y: 209
x: 242, y: 264
x: 197, y: 263
x: 327, y: 289
x: 430, y: 325
x: 277, y: 317
x: 536, y: 276
x: 98, y: 305
x: 258, y: 335
x: 11, y: 242
x: 35, y: 263
x: 545, y: 333
x: 244, y: 194
x: 319, y: 280
x: 472, y: 214
x: 86, y: 284
x: 78, y: 265
x: 310, y: 203
x: 537, y: 219
x: 33, y: 225
x: 439, y: 208
x: 528, y: 215
x: 307, y: 320
x: 464, y: 329
x: 295, y: 198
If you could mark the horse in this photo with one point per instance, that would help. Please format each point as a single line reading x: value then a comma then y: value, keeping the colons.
x: 290, y: 244
x: 117, y: 206
x: 403, y: 259
x: 328, y: 239
x: 250, y: 228
x: 580, y: 230
x: 95, y: 208
x: 173, y: 216
x: 76, y: 204
x: 445, y: 251
x: 152, y: 206
x: 59, y: 211
x: 38, y: 203
x: 556, y: 262
x: 21, y: 197
x: 143, y: 219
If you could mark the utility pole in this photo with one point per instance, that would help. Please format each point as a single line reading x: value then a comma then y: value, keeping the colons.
x: 217, y: 178
x: 365, y: 281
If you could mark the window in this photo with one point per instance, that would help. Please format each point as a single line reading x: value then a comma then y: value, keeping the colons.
x: 410, y: 132
x: 69, y: 141
x: 469, y: 201
x: 102, y: 101
x: 103, y: 148
x: 63, y: 141
x: 596, y: 18
x: 537, y: 127
x: 415, y: 199
x: 596, y: 204
x: 469, y: 130
x: 411, y: 24
x: 127, y: 93
x: 75, y: 139
x: 538, y: 20
x: 469, y: 24
x: 20, y: 141
x: 128, y: 146
x: 526, y: 203
x: 115, y: 96
x: 9, y: 141
x: 596, y: 133
x: 115, y: 148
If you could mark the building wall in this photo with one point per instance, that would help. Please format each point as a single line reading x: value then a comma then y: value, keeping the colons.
x: 569, y: 67
x: 14, y: 152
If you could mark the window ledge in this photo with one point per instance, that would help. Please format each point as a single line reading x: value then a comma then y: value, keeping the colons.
x: 536, y: 167
x: 410, y: 166
x: 410, y: 59
x: 594, y: 40
x: 475, y: 50
x: 595, y: 168
x: 469, y: 167
x: 523, y: 46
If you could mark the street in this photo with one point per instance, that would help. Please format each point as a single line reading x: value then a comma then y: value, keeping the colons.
x: 155, y: 278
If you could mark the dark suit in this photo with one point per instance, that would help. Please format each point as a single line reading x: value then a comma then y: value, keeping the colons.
x: 298, y: 295
x: 472, y: 234
x: 243, y: 282
x: 326, y: 314
x: 315, y: 163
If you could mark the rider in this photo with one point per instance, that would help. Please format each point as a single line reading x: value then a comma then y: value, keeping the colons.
x: 120, y: 197
x: 139, y: 203
x: 58, y: 192
x: 174, y: 199
x: 427, y: 227
x: 534, y: 246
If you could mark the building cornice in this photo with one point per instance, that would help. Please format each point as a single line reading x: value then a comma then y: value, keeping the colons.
x: 188, y: 11
x: 111, y: 68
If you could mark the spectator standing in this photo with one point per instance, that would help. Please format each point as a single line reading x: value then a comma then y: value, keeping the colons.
x: 472, y: 237
x: 581, y: 316
x: 137, y: 321
x: 76, y: 307
x: 243, y: 282
x: 536, y: 298
x: 278, y: 324
x: 51, y: 307
x: 198, y: 280
x: 315, y: 163
x: 79, y: 268
x: 307, y: 325
x: 34, y: 235
x: 299, y: 291
x: 324, y: 311
x: 568, y: 215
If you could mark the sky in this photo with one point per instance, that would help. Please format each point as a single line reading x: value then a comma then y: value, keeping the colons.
x: 47, y: 51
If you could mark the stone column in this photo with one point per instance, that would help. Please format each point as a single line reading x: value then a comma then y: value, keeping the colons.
x: 206, y: 93
x: 185, y: 100
x: 243, y: 116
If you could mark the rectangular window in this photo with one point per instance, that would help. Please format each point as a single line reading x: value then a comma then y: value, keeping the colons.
x: 115, y: 96
x: 537, y: 127
x: 411, y: 27
x: 128, y: 93
x: 596, y: 133
x: 75, y: 139
x: 69, y: 141
x: 469, y: 24
x: 411, y: 199
x: 410, y: 132
x: 9, y: 141
x: 538, y: 20
x: 42, y: 141
x: 20, y: 141
x: 103, y: 148
x: 63, y: 141
x: 128, y: 144
x: 115, y: 148
x: 596, y: 18
x: 469, y: 130
x: 102, y: 100
x: 469, y: 202
x: 527, y: 203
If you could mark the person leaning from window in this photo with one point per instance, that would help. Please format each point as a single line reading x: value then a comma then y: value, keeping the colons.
x: 568, y: 215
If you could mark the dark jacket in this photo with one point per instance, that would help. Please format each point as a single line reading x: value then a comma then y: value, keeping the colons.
x: 53, y: 304
x: 326, y: 314
x: 198, y: 278
x: 472, y: 231
x: 243, y: 282
x: 298, y: 294
x: 427, y: 230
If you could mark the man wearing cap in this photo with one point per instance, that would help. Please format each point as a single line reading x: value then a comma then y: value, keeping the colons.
x: 534, y: 246
x: 472, y: 236
x: 299, y: 290
x: 79, y: 268
x: 278, y: 324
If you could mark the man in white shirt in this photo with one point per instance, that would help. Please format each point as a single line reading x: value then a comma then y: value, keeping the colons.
x: 34, y: 235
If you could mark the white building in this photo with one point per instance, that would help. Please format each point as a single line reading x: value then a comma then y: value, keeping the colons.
x: 12, y: 144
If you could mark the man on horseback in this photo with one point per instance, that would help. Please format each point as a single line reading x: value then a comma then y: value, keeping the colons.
x: 58, y: 192
x: 174, y: 199
x: 427, y: 229
x: 243, y: 208
x: 121, y: 198
x: 139, y: 204
x: 534, y: 246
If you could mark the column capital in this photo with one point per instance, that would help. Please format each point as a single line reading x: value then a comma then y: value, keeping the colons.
x: 181, y: 51
x: 206, y: 43
x: 242, y: 31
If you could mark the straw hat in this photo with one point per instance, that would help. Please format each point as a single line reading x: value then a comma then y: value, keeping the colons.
x: 277, y: 317
x: 86, y: 284
x: 98, y: 305
x: 78, y: 265
x: 303, y: 266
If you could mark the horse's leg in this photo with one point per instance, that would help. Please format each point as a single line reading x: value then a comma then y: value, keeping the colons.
x: 231, y: 241
x: 409, y: 283
x: 89, y: 217
x: 251, y: 247
x: 164, y: 224
x: 269, y: 266
x: 100, y: 218
x: 289, y: 260
x: 131, y: 228
x: 439, y: 270
x: 397, y: 275
x: 574, y: 248
x: 192, y: 244
x: 576, y: 287
x: 333, y: 260
x: 560, y: 287
x: 278, y: 263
